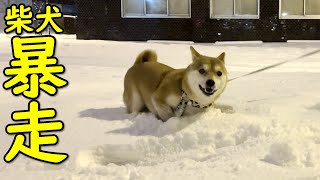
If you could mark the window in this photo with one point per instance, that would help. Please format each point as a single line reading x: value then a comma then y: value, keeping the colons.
x: 234, y: 9
x: 299, y: 9
x: 156, y: 8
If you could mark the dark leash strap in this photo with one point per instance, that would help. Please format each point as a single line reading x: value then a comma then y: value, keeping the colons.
x: 276, y: 65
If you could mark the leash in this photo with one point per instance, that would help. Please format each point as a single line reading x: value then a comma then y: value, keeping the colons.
x: 276, y: 65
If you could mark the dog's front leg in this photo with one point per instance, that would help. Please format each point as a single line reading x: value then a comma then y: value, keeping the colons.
x: 164, y: 111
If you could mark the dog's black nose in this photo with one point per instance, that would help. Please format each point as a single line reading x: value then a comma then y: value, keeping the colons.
x: 210, y: 83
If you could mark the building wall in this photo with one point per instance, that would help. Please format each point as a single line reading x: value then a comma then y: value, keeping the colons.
x: 101, y: 19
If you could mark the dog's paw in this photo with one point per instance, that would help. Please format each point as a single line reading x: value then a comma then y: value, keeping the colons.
x: 165, y: 113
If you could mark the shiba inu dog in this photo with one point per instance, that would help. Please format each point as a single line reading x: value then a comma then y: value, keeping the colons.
x: 167, y: 92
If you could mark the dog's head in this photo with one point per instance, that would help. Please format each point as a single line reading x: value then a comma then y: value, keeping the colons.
x: 206, y: 77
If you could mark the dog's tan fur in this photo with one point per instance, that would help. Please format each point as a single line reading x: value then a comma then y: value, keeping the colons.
x: 156, y: 87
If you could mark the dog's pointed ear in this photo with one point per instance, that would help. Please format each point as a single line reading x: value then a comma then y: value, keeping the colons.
x: 195, y: 54
x: 222, y: 56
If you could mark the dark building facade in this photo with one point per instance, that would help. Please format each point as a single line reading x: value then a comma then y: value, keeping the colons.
x: 104, y: 19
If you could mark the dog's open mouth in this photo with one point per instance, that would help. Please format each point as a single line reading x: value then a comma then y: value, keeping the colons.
x: 207, y: 91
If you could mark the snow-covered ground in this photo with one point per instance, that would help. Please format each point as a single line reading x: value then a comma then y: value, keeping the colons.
x: 267, y: 125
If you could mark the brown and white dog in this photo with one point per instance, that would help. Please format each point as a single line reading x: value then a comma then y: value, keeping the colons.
x: 168, y: 92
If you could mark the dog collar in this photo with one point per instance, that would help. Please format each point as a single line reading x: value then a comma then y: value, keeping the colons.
x: 179, y: 110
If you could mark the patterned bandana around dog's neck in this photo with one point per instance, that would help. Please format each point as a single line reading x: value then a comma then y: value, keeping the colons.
x: 179, y: 110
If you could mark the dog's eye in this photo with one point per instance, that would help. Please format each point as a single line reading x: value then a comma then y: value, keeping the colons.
x: 202, y: 71
x: 219, y: 73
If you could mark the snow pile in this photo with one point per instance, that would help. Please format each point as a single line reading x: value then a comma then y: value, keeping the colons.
x: 281, y: 154
x: 300, y: 152
x: 290, y: 154
x: 202, y: 136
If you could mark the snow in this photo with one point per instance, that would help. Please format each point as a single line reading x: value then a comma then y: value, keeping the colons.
x: 266, y: 126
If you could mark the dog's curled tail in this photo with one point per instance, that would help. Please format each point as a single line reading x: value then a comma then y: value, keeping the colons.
x: 146, y: 56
